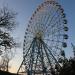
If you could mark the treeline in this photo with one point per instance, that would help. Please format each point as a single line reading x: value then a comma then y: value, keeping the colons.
x: 68, y: 67
x: 6, y: 73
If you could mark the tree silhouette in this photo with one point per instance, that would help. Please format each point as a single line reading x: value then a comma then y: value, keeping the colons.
x: 7, y: 43
x: 7, y: 18
x: 7, y: 24
x: 68, y: 67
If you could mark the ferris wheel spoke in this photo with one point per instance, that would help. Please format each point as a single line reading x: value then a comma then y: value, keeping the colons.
x: 58, y: 48
x: 53, y: 16
x: 55, y: 31
x: 56, y: 51
x: 55, y: 21
x: 30, y: 31
x: 29, y: 36
x: 52, y: 40
x: 50, y: 25
x: 55, y: 34
x: 57, y: 17
x: 46, y: 18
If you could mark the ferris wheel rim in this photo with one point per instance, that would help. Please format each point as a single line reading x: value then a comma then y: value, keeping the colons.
x: 61, y: 12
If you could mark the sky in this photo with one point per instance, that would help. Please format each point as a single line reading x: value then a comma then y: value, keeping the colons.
x: 25, y: 9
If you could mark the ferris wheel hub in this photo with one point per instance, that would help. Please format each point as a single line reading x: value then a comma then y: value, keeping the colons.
x: 39, y: 35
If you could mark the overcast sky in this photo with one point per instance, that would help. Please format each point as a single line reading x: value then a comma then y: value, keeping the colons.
x: 25, y: 8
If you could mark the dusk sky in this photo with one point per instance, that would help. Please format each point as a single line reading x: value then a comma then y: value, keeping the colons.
x: 25, y: 9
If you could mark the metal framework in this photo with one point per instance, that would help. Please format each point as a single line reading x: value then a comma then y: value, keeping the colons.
x: 44, y: 40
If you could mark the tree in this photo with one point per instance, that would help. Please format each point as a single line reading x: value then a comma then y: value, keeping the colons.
x: 7, y: 18
x: 68, y: 67
x: 7, y: 43
x: 7, y: 23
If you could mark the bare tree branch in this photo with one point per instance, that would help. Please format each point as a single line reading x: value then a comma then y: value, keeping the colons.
x: 7, y: 18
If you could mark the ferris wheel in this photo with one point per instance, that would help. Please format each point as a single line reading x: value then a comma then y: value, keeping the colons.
x: 45, y: 39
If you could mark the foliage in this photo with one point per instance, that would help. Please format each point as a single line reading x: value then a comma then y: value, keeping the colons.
x: 68, y: 67
x: 7, y: 23
x: 7, y: 18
